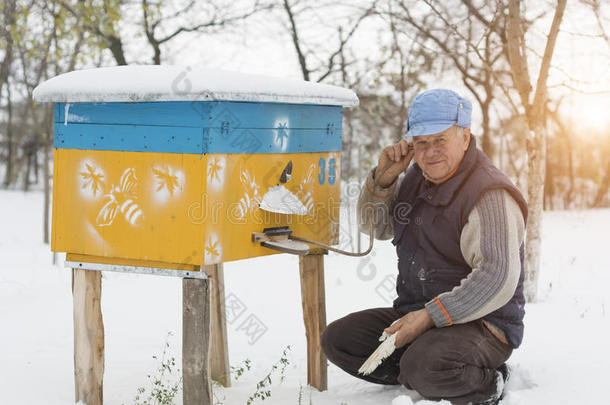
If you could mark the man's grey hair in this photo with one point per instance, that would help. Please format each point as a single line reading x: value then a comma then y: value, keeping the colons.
x: 459, y: 132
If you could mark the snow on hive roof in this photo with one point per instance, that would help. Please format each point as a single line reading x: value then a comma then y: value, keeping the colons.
x: 138, y: 83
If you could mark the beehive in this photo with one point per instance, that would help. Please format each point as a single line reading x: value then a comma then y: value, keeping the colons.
x: 166, y: 166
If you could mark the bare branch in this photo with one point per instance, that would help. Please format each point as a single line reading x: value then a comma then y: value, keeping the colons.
x: 517, y: 59
x: 344, y: 41
x: 214, y: 22
x: 296, y: 41
x: 541, y: 90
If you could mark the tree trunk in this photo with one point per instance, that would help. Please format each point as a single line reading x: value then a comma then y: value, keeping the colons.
x: 486, y: 143
x: 28, y: 165
x: 535, y: 112
x: 8, y: 175
x: 535, y: 193
x: 115, y: 46
x: 603, y: 188
x: 549, y: 182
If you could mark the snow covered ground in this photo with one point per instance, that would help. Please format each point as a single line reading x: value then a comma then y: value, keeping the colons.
x: 565, y: 357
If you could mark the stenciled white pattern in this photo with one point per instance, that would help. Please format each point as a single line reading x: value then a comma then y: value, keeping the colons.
x: 305, y: 190
x: 212, y: 249
x: 91, y: 179
x: 216, y: 172
x: 121, y: 198
x: 282, y: 133
x: 251, y: 197
x: 168, y: 183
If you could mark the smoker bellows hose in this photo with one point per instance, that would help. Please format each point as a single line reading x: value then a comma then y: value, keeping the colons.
x: 343, y: 252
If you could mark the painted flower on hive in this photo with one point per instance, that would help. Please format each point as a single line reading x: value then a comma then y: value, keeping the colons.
x: 282, y: 133
x: 92, y: 178
x: 166, y: 180
x: 212, y: 250
x: 214, y: 169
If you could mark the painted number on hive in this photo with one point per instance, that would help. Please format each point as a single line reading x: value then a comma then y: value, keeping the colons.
x: 332, y: 171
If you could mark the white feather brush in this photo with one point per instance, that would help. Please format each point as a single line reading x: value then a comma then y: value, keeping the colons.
x: 385, y: 349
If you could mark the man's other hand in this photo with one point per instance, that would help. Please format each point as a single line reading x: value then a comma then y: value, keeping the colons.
x: 410, y: 326
x: 394, y: 160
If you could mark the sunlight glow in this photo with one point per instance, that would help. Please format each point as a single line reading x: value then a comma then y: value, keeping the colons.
x: 589, y: 113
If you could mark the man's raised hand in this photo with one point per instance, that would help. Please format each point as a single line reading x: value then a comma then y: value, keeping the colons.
x: 394, y: 160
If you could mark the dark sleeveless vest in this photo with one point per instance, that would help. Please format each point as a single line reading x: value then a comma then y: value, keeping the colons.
x: 428, y: 221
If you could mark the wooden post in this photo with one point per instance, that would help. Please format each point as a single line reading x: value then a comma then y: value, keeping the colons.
x: 219, y: 352
x: 311, y: 268
x: 88, y: 336
x: 196, y: 342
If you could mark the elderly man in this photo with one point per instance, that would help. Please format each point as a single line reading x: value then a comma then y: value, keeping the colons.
x: 457, y: 223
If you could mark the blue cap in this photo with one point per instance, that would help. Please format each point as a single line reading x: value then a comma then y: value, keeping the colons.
x: 434, y: 111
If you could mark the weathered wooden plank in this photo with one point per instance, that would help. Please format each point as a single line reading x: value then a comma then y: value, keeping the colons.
x: 88, y: 336
x: 314, y: 314
x: 219, y: 360
x: 196, y: 380
x: 202, y: 114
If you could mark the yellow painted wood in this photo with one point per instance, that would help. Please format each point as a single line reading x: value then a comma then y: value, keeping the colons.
x: 233, y: 198
x: 184, y: 208
x: 128, y: 205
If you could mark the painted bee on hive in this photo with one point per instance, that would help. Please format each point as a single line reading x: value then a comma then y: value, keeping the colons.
x: 123, y: 199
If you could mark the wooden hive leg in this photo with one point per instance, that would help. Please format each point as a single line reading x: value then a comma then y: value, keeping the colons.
x: 197, y: 385
x: 88, y: 336
x: 219, y: 351
x: 314, y: 314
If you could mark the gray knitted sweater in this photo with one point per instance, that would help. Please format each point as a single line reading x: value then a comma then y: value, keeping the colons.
x: 489, y: 243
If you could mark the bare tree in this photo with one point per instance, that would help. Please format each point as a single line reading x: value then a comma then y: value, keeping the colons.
x: 533, y: 101
x: 508, y: 49
x: 45, y: 41
x: 9, y: 10
x: 208, y: 16
x: 329, y: 63
x: 102, y: 21
x: 471, y: 39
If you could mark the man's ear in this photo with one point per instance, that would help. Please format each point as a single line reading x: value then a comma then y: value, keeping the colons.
x: 466, y: 137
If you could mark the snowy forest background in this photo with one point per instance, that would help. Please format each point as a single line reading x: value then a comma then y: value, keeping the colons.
x: 536, y: 73
x: 385, y: 50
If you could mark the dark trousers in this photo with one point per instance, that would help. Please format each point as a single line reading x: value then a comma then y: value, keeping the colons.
x: 457, y: 363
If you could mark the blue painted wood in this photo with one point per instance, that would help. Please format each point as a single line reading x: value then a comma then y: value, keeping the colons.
x: 147, y: 138
x: 136, y: 138
x: 202, y: 114
x: 274, y: 115
x: 57, y: 112
x: 272, y: 141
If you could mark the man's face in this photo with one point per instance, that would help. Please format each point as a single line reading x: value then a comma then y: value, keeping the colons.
x: 440, y: 154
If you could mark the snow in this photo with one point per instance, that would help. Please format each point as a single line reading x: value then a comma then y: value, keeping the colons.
x: 564, y: 359
x: 142, y: 83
